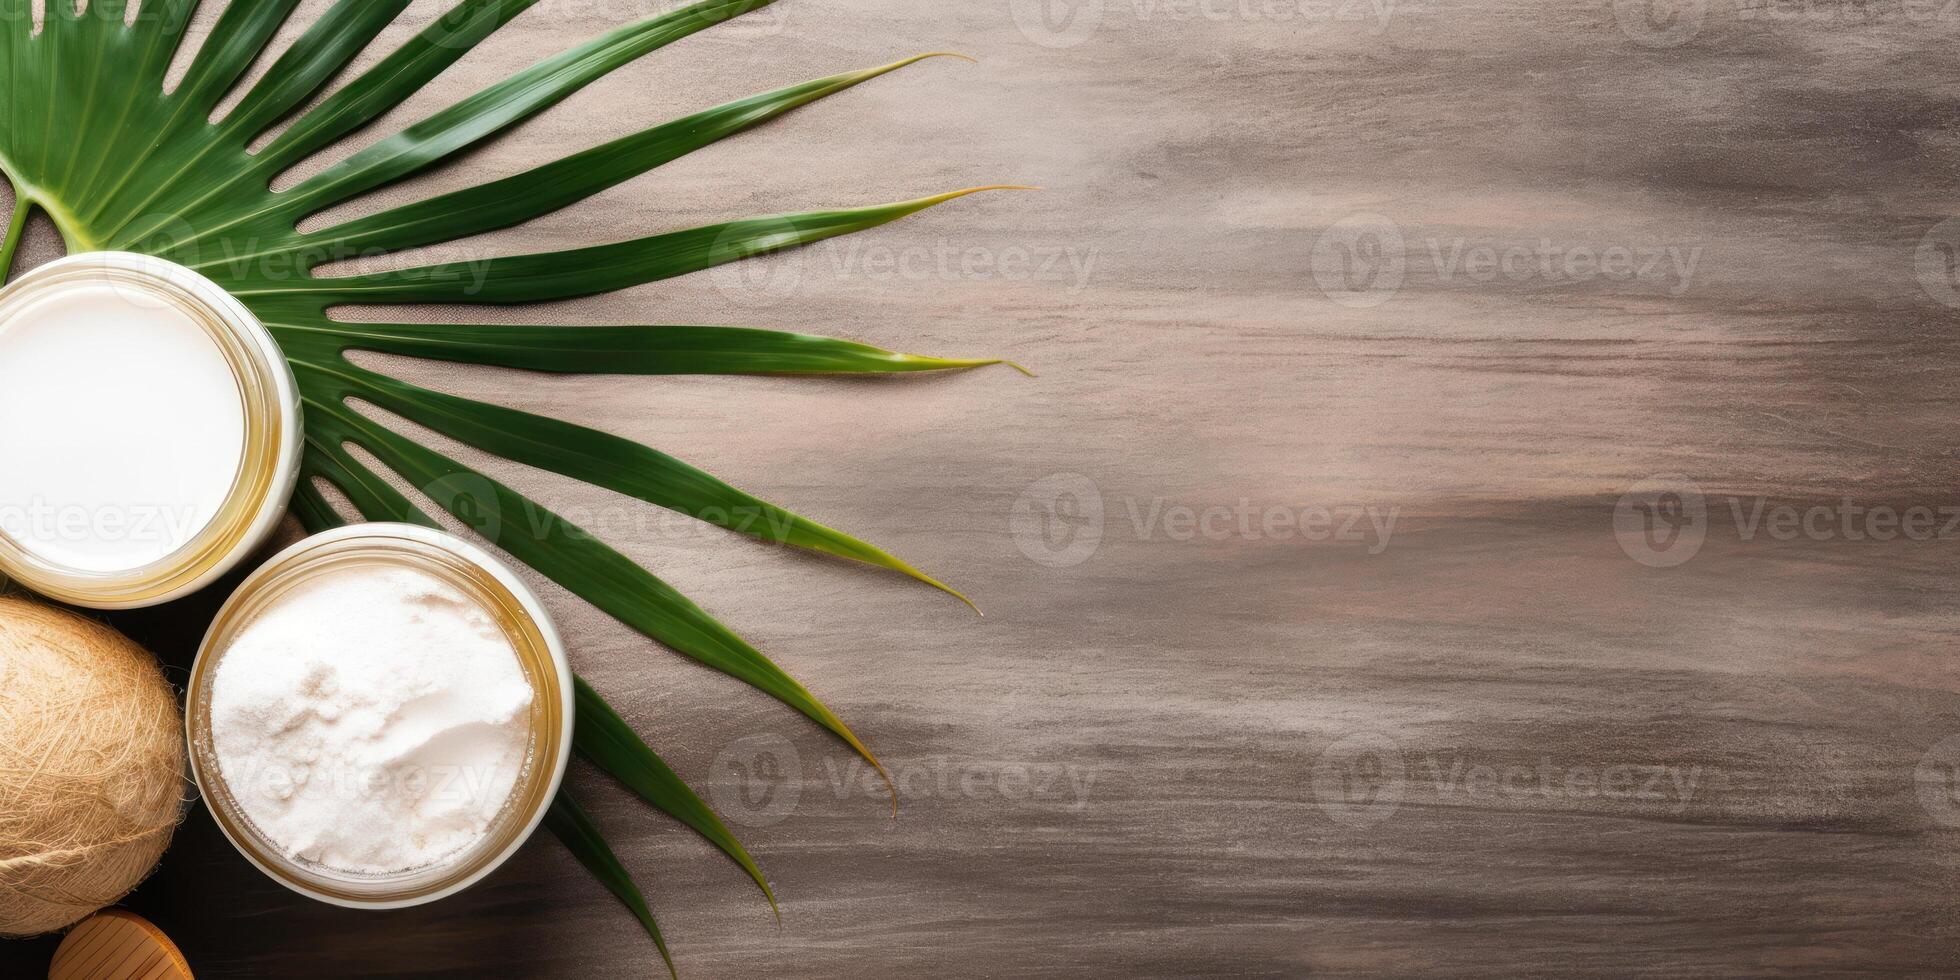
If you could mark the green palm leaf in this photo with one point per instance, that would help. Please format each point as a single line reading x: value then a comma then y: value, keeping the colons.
x: 574, y: 826
x: 605, y: 738
x: 90, y: 136
x: 542, y: 190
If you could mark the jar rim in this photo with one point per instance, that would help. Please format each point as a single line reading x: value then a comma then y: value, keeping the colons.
x: 268, y: 470
x: 534, y: 639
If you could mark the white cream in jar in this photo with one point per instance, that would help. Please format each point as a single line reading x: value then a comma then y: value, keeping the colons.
x: 149, y: 427
x: 380, y: 715
x: 372, y: 720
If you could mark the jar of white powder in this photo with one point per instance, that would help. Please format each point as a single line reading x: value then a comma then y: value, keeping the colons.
x: 380, y: 716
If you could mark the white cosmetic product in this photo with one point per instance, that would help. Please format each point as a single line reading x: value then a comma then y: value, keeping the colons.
x: 371, y: 720
x: 149, y: 430
x: 111, y: 409
x: 380, y: 716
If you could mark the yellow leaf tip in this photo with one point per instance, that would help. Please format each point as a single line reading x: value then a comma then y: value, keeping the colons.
x: 950, y: 195
x: 970, y: 604
x: 870, y: 73
x: 970, y: 363
x: 935, y: 583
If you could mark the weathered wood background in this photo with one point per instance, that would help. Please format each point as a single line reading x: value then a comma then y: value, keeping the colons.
x: 1475, y: 267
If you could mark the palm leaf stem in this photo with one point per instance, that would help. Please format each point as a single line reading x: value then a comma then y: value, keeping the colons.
x: 15, y: 228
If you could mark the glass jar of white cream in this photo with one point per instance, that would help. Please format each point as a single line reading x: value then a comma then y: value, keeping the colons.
x: 380, y: 716
x: 149, y: 430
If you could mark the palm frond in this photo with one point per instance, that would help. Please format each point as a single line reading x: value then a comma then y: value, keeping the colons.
x: 542, y: 190
x: 90, y: 135
x: 604, y: 738
x: 574, y: 826
x: 621, y: 350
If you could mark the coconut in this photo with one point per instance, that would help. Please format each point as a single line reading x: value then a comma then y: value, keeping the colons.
x: 92, y: 781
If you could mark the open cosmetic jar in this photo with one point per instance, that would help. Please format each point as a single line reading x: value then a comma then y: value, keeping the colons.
x: 332, y: 736
x: 150, y: 427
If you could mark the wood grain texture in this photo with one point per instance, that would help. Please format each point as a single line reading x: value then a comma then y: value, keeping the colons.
x: 1481, y: 742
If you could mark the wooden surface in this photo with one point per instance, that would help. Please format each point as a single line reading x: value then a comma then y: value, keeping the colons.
x: 1484, y: 741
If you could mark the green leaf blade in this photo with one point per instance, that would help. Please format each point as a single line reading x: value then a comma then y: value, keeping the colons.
x: 400, y: 75
x: 508, y: 102
x: 646, y: 350
x: 574, y: 827
x: 334, y: 40
x: 605, y: 739
x: 543, y: 190
x: 605, y: 268
x: 314, y: 512
x: 617, y: 464
x: 240, y: 35
x: 91, y: 134
x: 570, y: 556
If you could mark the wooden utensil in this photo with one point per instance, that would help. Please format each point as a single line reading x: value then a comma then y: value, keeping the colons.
x: 118, y: 945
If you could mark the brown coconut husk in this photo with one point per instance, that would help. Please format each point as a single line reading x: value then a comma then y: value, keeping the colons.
x: 92, y: 782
